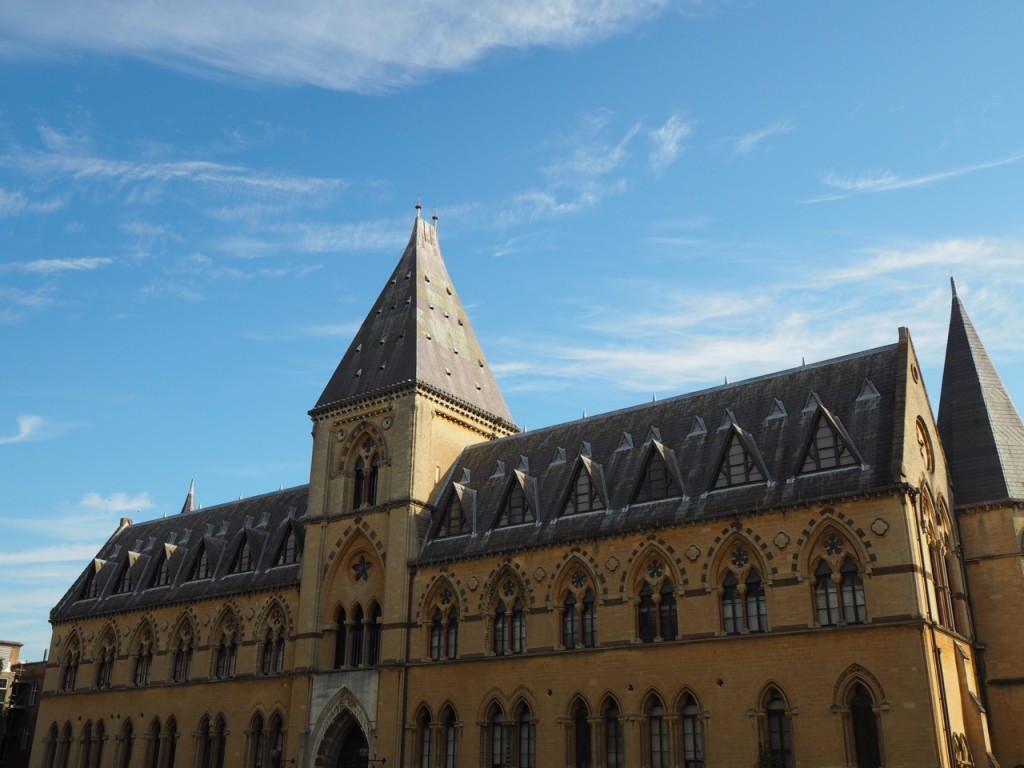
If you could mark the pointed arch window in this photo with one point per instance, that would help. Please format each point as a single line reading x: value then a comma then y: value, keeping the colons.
x: 656, y: 482
x: 424, y: 739
x: 579, y: 621
x: 614, y: 738
x: 526, y: 747
x: 182, y: 662
x: 826, y: 448
x: 658, y: 737
x: 201, y: 567
x: 826, y: 596
x: 258, y: 742
x: 127, y: 744
x: 583, y: 495
x: 143, y: 664
x: 91, y: 588
x: 276, y: 739
x: 738, y: 466
x: 497, y: 737
x: 863, y: 730
x: 339, y: 639
x: 243, y: 562
x: 69, y: 672
x: 105, y: 666
x: 162, y: 576
x: 839, y: 598
x: 456, y: 521
x: 451, y: 741
x: 778, y: 734
x: 365, y: 475
x: 693, y: 733
x: 272, y: 652
x: 657, y: 618
x: 744, y: 607
x: 515, y: 509
x: 373, y: 637
x: 356, y: 644
x: 444, y: 633
x: 289, y: 553
x: 124, y: 583
x: 582, y: 736
x: 509, y: 627
x: 852, y: 589
x: 227, y: 658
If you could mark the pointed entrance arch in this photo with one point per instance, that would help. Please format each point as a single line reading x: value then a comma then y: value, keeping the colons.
x: 343, y: 736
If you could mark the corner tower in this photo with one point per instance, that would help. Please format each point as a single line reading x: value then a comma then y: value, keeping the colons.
x: 983, y: 437
x: 412, y: 390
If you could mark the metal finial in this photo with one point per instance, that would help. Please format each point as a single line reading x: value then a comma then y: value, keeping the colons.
x: 952, y: 283
x: 434, y: 217
x: 419, y: 206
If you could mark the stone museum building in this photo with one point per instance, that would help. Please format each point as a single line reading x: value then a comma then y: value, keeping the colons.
x: 799, y: 570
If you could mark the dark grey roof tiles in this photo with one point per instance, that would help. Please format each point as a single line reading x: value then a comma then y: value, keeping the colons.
x: 187, y: 534
x: 754, y: 405
x: 417, y: 330
x: 980, y: 428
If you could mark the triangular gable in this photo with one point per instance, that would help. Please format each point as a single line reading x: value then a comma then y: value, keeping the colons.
x: 499, y: 469
x: 458, y: 515
x: 868, y: 392
x: 585, y: 492
x: 652, y: 434
x: 289, y: 551
x: 517, y: 506
x: 585, y: 449
x: 559, y: 457
x: 813, y: 403
x: 201, y: 567
x: 626, y: 443
x: 740, y: 462
x: 828, y: 445
x: 659, y: 478
x: 244, y: 559
x: 698, y: 428
x: 777, y: 411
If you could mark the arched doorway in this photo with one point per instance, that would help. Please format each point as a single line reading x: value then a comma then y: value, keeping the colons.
x: 354, y: 750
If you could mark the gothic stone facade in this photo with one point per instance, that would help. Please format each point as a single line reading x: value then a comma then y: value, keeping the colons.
x: 763, y: 573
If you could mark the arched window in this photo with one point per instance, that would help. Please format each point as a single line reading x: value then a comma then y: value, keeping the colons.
x: 339, y: 640
x: 863, y: 729
x: 500, y: 635
x: 153, y: 745
x: 647, y: 616
x: 371, y: 485
x: 526, y: 733
x: 126, y: 746
x: 212, y: 743
x: 356, y: 646
x: 226, y: 657
x: 276, y: 741
x: 365, y: 474
x: 451, y: 742
x: 693, y: 734
x: 436, y: 635
x: 743, y: 608
x: 64, y: 750
x: 657, y: 728
x: 732, y: 605
x: 444, y: 634
x: 498, y: 737
x: 88, y: 746
x: 518, y: 627
x: 50, y: 755
x: 69, y: 671
x: 105, y: 666
x: 756, y: 604
x: 424, y: 740
x: 144, y: 664
x: 373, y: 637
x: 272, y: 653
x: 581, y: 742
x: 182, y: 667
x: 579, y: 621
x: 257, y: 743
x: 570, y: 622
x: 359, y: 478
x: 509, y: 627
x: 452, y: 633
x: 171, y: 736
x: 777, y: 738
x: 668, y: 624
x: 96, y: 749
x: 826, y: 596
x: 614, y: 747
x: 852, y: 589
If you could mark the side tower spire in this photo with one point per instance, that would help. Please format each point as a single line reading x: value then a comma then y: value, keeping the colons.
x: 981, y: 429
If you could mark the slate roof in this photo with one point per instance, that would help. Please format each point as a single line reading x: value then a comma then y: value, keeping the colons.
x: 981, y: 430
x: 775, y: 415
x: 417, y: 330
x: 265, y: 520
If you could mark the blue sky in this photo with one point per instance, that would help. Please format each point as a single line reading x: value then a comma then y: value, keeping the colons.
x: 200, y: 201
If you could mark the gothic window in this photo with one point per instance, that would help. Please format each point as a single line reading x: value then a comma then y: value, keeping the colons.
x: 423, y: 737
x: 852, y: 589
x: 647, y: 616
x: 153, y: 745
x: 272, y: 652
x: 693, y: 734
x: 581, y: 742
x: 212, y: 743
x: 91, y: 588
x: 863, y: 729
x: 444, y: 634
x: 257, y: 743
x: 777, y: 736
x: 583, y: 496
x: 515, y: 509
x: 289, y: 553
x: 579, y: 620
x: 456, y: 520
x: 50, y: 754
x: 227, y: 656
x: 64, y: 753
x: 497, y: 737
x: 124, y: 583
x: 570, y: 622
x: 614, y: 741
x: 436, y: 634
x: 737, y: 467
x: 826, y: 448
x: 162, y: 576
x: 756, y: 603
x: 526, y: 732
x: 69, y: 669
x: 356, y: 645
x: 667, y: 618
x: 105, y: 666
x: 243, y: 558
x: 182, y: 663
x: 339, y: 640
x: 826, y: 597
x: 127, y: 745
x: 373, y: 637
x: 450, y: 757
x: 732, y: 605
x: 744, y: 607
x: 88, y: 746
x: 143, y: 664
x: 364, y: 476
x: 656, y: 482
x: 276, y: 740
x: 201, y: 566
x: 452, y: 633
x: 657, y: 731
x: 509, y: 624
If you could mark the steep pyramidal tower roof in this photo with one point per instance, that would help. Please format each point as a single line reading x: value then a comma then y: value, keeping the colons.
x: 979, y: 425
x: 417, y: 330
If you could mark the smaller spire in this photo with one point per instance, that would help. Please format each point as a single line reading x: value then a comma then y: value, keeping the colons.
x: 952, y: 284
x: 190, y: 499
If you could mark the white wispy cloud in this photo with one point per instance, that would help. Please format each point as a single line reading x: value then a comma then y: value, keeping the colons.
x: 666, y: 142
x: 50, y: 266
x: 29, y: 427
x: 116, y: 502
x: 360, y: 45
x: 55, y: 553
x: 748, y: 142
x: 884, y: 180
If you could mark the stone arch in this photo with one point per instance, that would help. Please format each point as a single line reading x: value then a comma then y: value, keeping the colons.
x: 642, y: 566
x: 433, y: 596
x: 849, y: 678
x: 572, y: 561
x: 228, y: 621
x: 275, y: 615
x: 350, y: 445
x: 343, y: 713
x: 184, y: 628
x: 106, y: 638
x: 357, y: 525
x: 493, y: 698
x: 575, y: 699
x: 722, y: 556
x: 817, y: 546
x: 523, y: 695
x: 144, y: 634
x: 495, y: 589
x: 680, y: 698
x: 812, y: 533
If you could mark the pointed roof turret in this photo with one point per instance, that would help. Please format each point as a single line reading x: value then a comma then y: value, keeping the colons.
x: 417, y: 330
x: 981, y: 430
x: 190, y: 500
